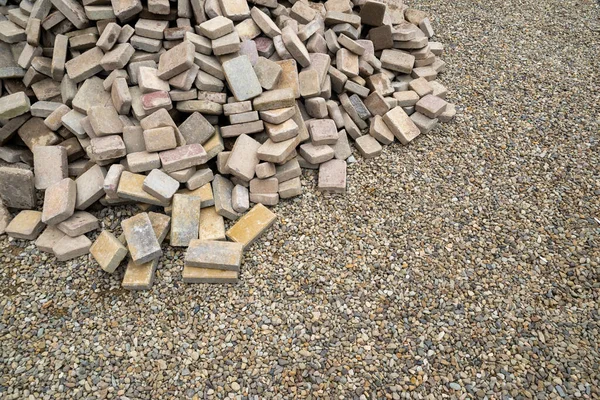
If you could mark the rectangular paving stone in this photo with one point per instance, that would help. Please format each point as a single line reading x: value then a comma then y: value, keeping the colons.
x: 332, y: 176
x: 431, y: 106
x: 107, y: 148
x: 14, y: 105
x: 142, y: 161
x: 316, y: 154
x: 90, y: 187
x: 26, y: 225
x: 183, y: 157
x: 139, y: 277
x: 108, y: 251
x: 290, y: 188
x: 368, y: 146
x: 6, y: 217
x: 105, y: 120
x: 277, y: 152
x: 208, y: 275
x: 214, y: 254
x: 272, y: 99
x: 73, y: 10
x: 240, y: 199
x: 241, y: 78
x: 68, y: 248
x: 59, y: 201
x: 50, y: 165
x: 242, y: 129
x: 401, y: 125
x: 222, y: 191
x: 196, y: 129
x: 289, y: 77
x: 200, y: 178
x: 46, y: 241
x: 397, y: 60
x: 264, y: 186
x: 160, y: 185
x: 160, y: 139
x: 141, y: 240
x: 185, y: 220
x: 35, y: 133
x: 176, y: 60
x: 131, y: 188
x: 243, y: 159
x: 252, y: 225
x: 85, y: 65
x: 216, y: 27
x: 80, y: 223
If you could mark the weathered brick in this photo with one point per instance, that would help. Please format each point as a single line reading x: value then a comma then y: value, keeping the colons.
x: 401, y: 125
x: 90, y: 187
x: 160, y: 185
x: 26, y: 225
x: 68, y: 247
x: 139, y: 277
x: 79, y: 223
x: 241, y: 78
x: 131, y: 188
x: 183, y: 157
x: 159, y: 139
x: 368, y: 146
x: 108, y: 251
x: 212, y: 225
x: 222, y: 191
x: 243, y: 159
x: 50, y: 165
x: 214, y: 254
x: 208, y: 275
x: 252, y: 225
x: 332, y: 176
x: 46, y: 241
x: 185, y: 219
x: 59, y: 201
x: 141, y: 240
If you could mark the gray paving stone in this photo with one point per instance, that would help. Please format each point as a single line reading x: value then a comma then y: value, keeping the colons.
x: 241, y: 78
x: 160, y: 185
x: 141, y: 239
x: 222, y: 192
x: 185, y: 219
x: 18, y: 187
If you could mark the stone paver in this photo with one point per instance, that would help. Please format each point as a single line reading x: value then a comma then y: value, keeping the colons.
x: 59, y: 201
x: 212, y: 225
x: 80, y: 223
x: 214, y: 254
x: 252, y: 225
x: 108, y: 251
x: 141, y: 240
x: 26, y: 225
x: 185, y: 219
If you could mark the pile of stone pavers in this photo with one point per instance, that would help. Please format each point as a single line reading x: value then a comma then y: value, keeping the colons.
x: 199, y: 109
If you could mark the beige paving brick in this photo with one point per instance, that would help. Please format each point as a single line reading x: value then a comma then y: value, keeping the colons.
x: 252, y: 225
x: 185, y: 219
x: 26, y: 225
x: 108, y: 251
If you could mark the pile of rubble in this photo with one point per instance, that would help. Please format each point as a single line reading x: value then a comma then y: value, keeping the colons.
x: 200, y: 107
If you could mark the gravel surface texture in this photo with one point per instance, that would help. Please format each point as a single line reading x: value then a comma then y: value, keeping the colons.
x: 464, y: 265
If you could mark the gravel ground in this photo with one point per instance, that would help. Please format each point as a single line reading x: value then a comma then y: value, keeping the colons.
x: 462, y: 266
